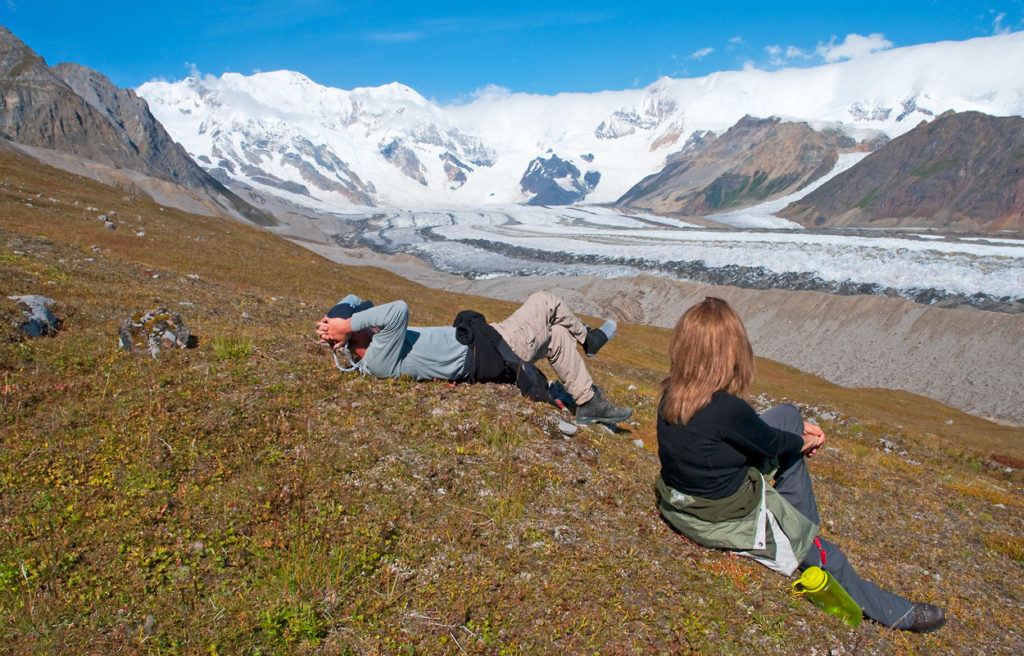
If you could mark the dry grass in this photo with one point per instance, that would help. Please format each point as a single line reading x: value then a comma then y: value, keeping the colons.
x: 244, y: 497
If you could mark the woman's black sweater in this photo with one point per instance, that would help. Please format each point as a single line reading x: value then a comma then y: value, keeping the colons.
x: 710, y: 454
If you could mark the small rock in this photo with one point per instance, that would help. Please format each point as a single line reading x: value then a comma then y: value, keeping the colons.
x: 109, y: 225
x: 147, y: 625
x: 565, y: 428
x: 197, y: 547
x: 638, y: 443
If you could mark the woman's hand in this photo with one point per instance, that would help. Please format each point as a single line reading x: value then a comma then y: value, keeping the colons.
x: 814, y: 437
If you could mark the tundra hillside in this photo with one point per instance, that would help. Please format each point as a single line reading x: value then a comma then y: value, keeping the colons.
x: 245, y: 497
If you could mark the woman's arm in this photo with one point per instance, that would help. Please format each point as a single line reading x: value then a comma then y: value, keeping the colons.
x: 744, y: 429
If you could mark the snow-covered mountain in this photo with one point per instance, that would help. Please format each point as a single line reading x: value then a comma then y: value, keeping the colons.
x: 330, y: 149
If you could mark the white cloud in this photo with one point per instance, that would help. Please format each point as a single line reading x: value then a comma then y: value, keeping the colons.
x: 193, y: 70
x: 997, y: 23
x: 702, y: 53
x: 853, y: 47
x: 779, y: 56
x: 491, y: 92
x: 792, y: 52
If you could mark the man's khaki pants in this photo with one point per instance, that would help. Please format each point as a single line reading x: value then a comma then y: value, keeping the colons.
x: 544, y: 328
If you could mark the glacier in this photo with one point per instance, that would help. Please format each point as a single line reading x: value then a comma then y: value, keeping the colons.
x: 402, y: 174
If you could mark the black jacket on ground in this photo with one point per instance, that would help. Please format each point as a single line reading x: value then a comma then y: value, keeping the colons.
x: 494, y: 361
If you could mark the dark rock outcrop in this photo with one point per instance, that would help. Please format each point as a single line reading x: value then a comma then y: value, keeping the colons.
x: 404, y: 159
x: 961, y: 172
x: 455, y: 170
x: 555, y: 181
x: 754, y: 161
x: 78, y: 111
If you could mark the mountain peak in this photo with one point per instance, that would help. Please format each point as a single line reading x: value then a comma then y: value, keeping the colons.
x: 960, y: 171
x: 630, y: 134
x: 78, y: 111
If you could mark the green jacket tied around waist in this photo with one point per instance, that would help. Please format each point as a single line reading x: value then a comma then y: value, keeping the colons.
x: 755, y: 521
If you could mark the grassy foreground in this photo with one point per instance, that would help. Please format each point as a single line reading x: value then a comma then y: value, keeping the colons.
x: 244, y: 497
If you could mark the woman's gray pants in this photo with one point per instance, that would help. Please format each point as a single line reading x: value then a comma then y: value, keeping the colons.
x: 793, y: 482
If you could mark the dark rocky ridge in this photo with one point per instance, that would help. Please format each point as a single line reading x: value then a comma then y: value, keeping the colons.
x: 754, y: 161
x: 78, y: 111
x: 555, y: 181
x: 962, y: 172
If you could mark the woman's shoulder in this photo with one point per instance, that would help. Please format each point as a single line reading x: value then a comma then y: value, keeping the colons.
x: 725, y: 398
x: 725, y: 402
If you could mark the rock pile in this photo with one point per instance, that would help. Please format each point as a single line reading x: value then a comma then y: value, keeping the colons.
x: 147, y: 332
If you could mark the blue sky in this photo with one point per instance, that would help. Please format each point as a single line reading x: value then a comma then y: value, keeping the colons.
x: 448, y: 51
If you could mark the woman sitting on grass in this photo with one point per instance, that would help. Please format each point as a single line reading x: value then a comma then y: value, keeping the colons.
x: 716, y: 451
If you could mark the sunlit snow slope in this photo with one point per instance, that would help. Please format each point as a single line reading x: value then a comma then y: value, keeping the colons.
x: 330, y: 149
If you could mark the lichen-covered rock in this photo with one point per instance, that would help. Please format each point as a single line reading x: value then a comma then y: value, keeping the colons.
x: 147, y: 332
x: 39, y: 320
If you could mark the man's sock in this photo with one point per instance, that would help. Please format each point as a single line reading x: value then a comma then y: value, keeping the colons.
x: 597, y: 338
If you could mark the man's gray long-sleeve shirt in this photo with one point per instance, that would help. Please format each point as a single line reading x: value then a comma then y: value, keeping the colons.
x: 401, y: 350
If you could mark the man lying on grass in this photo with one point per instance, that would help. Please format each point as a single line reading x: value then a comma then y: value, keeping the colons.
x: 384, y: 345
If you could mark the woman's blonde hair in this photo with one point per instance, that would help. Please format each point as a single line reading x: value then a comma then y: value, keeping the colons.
x: 709, y: 352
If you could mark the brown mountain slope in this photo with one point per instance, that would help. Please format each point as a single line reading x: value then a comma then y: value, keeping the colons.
x: 754, y: 161
x: 961, y: 172
x: 78, y: 111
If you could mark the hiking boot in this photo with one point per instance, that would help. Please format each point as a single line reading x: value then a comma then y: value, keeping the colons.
x: 597, y: 338
x: 599, y: 409
x: 927, y: 618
